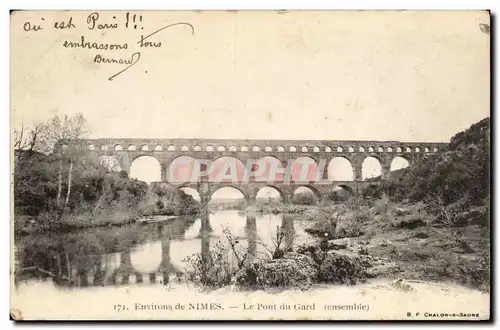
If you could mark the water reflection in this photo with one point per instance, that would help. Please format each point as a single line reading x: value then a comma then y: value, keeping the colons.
x: 141, y: 254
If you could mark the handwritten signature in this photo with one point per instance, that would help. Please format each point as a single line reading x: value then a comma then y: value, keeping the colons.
x: 137, y: 55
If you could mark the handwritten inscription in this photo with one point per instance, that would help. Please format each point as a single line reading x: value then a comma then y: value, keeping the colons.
x: 95, y: 22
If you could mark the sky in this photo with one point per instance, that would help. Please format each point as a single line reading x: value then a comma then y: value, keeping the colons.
x: 407, y: 76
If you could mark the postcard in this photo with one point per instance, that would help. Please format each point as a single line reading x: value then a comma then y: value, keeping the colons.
x: 250, y: 165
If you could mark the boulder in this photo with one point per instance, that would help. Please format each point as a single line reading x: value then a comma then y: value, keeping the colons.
x: 400, y: 211
x: 341, y: 268
x: 383, y: 269
x: 294, y: 270
x: 420, y: 234
x: 411, y: 221
x: 338, y: 244
x: 402, y: 285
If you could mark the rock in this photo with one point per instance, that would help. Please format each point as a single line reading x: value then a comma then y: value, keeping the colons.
x: 400, y: 284
x: 400, y: 211
x: 477, y: 216
x: 294, y: 270
x: 411, y: 221
x: 461, y: 220
x: 314, y: 232
x: 420, y: 234
x: 342, y: 268
x: 338, y: 244
x: 382, y: 270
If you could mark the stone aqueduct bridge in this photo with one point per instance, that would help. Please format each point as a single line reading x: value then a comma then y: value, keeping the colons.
x: 167, y: 150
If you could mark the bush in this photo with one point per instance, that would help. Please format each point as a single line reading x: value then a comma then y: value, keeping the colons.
x: 212, y: 271
x: 292, y: 271
x: 304, y: 198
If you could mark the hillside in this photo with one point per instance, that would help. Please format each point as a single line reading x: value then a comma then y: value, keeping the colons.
x: 431, y: 221
x: 456, y: 179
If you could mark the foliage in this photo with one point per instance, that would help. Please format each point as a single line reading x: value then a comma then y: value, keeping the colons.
x: 217, y: 267
x: 304, y: 198
x: 293, y: 270
x: 461, y: 171
x: 278, y: 246
x: 212, y: 271
x: 57, y: 183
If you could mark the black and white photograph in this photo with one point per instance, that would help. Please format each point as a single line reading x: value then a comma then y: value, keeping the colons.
x: 250, y: 165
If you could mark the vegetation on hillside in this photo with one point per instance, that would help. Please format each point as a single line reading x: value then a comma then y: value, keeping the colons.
x: 56, y: 188
x: 456, y: 180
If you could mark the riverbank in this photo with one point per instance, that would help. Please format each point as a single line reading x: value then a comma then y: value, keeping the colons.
x: 422, y: 247
x: 24, y: 226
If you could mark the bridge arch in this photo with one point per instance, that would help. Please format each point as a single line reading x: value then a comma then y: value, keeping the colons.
x: 272, y: 166
x: 226, y: 190
x: 192, y: 192
x: 371, y: 191
x: 269, y: 192
x: 182, y: 169
x: 306, y: 195
x: 340, y: 169
x: 341, y: 193
x: 118, y: 147
x: 145, y: 168
x: 304, y: 168
x: 227, y: 169
x: 398, y: 163
x: 371, y: 168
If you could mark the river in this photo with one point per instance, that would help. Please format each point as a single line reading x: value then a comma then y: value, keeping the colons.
x: 91, y: 273
x: 145, y: 254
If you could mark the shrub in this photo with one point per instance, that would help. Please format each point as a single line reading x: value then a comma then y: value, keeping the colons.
x: 212, y: 271
x: 292, y: 271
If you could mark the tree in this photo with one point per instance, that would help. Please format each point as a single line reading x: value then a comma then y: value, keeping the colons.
x: 52, y: 138
x: 27, y: 141
x: 58, y: 133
